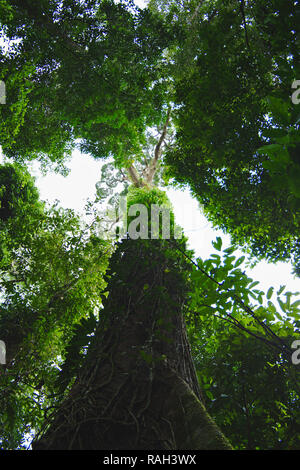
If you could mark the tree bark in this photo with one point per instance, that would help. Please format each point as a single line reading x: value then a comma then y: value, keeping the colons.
x: 138, y: 387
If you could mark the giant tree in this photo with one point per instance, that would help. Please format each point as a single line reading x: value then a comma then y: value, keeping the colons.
x: 89, y: 92
x: 102, y: 75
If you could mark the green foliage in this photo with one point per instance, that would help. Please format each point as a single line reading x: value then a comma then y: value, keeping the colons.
x: 94, y: 78
x: 75, y: 351
x: 51, y: 276
x: 102, y: 75
x: 283, y: 150
x: 18, y: 87
x: 233, y: 92
x: 18, y: 194
x: 242, y: 342
x: 228, y: 291
x: 249, y: 390
x: 152, y: 199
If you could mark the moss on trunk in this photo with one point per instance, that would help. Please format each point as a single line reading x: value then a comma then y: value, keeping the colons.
x: 138, y: 387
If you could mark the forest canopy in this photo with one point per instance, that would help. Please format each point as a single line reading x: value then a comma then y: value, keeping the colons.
x: 101, y: 332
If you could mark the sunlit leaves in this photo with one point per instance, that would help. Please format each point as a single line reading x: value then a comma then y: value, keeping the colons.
x: 96, y: 78
x: 221, y: 288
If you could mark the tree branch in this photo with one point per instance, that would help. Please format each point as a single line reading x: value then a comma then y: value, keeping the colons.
x: 150, y: 172
x: 242, y: 10
x: 134, y: 176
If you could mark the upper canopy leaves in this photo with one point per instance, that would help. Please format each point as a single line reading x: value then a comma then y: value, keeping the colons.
x: 95, y: 76
x: 240, y: 61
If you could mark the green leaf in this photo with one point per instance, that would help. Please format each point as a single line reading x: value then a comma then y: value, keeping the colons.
x: 296, y: 304
x: 253, y: 284
x: 281, y: 289
x: 269, y: 149
x: 209, y: 394
x: 282, y: 305
x: 279, y: 109
x: 217, y: 244
x: 270, y: 292
x: 239, y: 261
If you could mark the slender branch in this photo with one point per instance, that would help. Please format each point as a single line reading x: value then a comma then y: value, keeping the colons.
x: 196, y: 12
x: 233, y: 321
x: 281, y: 346
x: 265, y: 327
x: 124, y: 176
x: 134, y: 176
x: 242, y: 10
x: 150, y: 172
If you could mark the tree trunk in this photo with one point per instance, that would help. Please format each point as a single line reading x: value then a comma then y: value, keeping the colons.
x: 137, y: 388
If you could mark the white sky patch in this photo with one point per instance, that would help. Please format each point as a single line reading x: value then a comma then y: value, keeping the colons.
x: 74, y: 190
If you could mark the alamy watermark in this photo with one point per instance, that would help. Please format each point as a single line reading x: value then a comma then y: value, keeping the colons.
x: 296, y: 95
x: 296, y: 355
x: 296, y: 344
x: 137, y: 222
x: 2, y: 92
x: 2, y: 352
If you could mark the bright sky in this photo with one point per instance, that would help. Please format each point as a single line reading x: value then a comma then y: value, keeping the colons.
x: 74, y: 190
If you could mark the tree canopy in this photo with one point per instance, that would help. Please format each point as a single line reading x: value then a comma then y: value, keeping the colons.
x: 191, y: 93
x: 237, y: 142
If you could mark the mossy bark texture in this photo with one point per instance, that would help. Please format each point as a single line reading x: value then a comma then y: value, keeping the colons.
x: 137, y: 388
